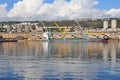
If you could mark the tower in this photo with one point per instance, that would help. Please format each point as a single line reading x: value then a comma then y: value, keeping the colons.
x: 27, y: 27
x: 105, y: 24
x: 114, y: 24
x: 8, y: 28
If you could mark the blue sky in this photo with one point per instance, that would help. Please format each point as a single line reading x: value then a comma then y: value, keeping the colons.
x: 108, y: 4
x: 10, y: 3
x: 103, y: 4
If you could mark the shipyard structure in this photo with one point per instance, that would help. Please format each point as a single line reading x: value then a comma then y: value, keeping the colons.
x: 32, y: 31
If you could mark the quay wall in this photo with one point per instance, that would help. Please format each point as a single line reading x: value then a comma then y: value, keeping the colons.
x: 112, y: 35
x: 13, y: 35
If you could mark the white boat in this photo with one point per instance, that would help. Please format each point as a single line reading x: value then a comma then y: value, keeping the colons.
x: 45, y: 36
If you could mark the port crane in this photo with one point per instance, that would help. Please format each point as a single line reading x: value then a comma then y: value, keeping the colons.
x: 46, y: 33
x: 60, y: 29
x: 84, y: 31
x: 63, y: 32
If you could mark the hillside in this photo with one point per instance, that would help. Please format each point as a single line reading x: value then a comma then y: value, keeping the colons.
x: 98, y: 23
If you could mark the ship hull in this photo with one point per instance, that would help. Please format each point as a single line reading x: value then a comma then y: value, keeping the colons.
x: 81, y: 40
x: 8, y: 40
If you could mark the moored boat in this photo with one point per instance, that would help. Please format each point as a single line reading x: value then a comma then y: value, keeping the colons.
x: 85, y: 38
x: 8, y: 40
x: 46, y: 37
x: 81, y: 40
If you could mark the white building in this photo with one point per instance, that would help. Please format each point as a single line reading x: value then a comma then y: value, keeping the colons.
x: 8, y: 28
x: 27, y: 28
x: 105, y: 25
x: 19, y: 28
x: 114, y: 24
x: 0, y: 25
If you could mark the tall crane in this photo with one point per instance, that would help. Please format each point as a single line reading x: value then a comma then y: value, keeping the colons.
x: 63, y: 32
x: 78, y: 24
x: 44, y: 26
x: 84, y: 31
x: 60, y: 29
x: 46, y: 34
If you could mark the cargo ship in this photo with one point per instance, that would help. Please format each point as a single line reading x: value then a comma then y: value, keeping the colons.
x: 48, y: 37
x: 84, y: 39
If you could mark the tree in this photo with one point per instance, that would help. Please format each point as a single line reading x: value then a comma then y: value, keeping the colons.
x: 33, y: 27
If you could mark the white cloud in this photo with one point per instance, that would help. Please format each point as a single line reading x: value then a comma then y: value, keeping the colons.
x: 3, y: 11
x: 59, y: 9
x: 25, y: 8
x: 114, y: 13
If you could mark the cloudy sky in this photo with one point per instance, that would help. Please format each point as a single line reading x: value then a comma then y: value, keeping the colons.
x: 58, y: 9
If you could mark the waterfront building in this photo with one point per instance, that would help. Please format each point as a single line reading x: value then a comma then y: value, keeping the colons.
x: 0, y: 25
x: 26, y: 26
x: 19, y: 28
x: 39, y: 28
x: 8, y: 28
x: 114, y: 24
x: 105, y: 25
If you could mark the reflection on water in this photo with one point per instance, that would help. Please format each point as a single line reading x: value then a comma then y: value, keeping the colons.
x: 59, y: 61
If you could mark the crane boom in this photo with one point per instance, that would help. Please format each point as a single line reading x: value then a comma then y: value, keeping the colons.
x: 78, y: 25
x: 44, y: 26
x: 60, y: 29
x: 85, y: 32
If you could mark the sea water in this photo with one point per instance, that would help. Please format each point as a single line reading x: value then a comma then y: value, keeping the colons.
x: 59, y: 61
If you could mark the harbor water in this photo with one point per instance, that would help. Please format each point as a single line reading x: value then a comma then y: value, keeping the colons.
x: 59, y: 61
